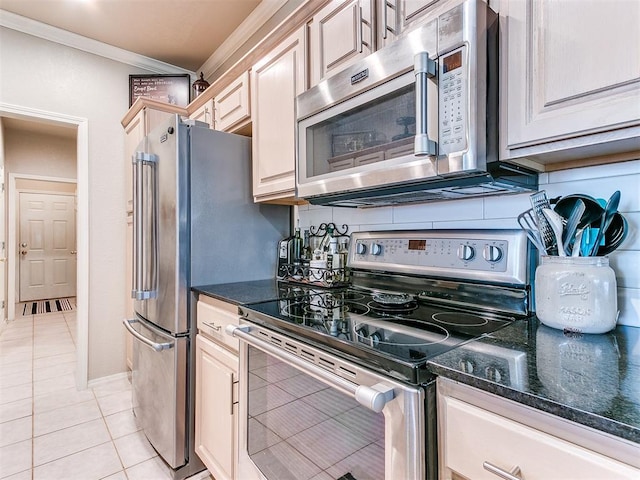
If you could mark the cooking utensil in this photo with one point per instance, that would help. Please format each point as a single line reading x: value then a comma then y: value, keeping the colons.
x: 575, y: 252
x: 607, y: 216
x: 572, y: 225
x: 556, y: 222
x: 539, y: 201
x: 528, y: 223
x: 614, y: 235
x: 593, y: 211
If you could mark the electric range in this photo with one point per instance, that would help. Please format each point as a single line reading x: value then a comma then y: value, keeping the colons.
x: 414, y: 295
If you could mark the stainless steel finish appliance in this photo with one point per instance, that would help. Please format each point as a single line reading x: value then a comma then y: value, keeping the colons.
x: 414, y: 121
x: 335, y: 381
x: 195, y: 223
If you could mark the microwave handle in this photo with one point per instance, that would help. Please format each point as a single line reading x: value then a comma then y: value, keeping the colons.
x: 374, y: 398
x: 424, y: 69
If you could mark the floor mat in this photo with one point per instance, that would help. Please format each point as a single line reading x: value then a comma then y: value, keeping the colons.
x: 47, y: 306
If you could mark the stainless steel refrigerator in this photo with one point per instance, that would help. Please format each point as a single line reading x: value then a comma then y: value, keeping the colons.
x: 195, y: 223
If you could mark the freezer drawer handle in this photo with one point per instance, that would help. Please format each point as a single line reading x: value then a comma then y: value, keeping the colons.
x: 158, y: 347
x: 374, y: 398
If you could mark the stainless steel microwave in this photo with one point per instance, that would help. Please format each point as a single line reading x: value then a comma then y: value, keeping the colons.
x: 413, y: 122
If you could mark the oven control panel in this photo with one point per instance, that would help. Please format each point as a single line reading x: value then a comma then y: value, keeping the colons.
x: 496, y: 255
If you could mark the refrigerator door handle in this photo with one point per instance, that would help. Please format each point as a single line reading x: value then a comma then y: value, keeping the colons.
x: 158, y: 347
x: 144, y: 227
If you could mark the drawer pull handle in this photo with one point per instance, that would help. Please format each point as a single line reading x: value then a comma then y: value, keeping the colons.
x: 212, y: 325
x: 513, y: 474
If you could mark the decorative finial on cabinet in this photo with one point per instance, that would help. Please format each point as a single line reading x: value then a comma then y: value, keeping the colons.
x: 200, y: 85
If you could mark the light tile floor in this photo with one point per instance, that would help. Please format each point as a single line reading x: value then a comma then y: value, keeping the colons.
x: 51, y: 431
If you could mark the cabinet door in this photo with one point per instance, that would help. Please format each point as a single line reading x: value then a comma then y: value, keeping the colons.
x: 276, y: 80
x: 340, y: 33
x: 216, y: 417
x: 396, y: 16
x: 204, y: 113
x: 232, y: 104
x: 572, y: 72
x: 128, y: 282
x: 134, y: 132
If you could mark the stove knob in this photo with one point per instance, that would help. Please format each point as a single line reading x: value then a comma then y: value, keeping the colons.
x: 466, y: 366
x: 361, y: 248
x: 376, y: 249
x: 466, y: 252
x: 492, y: 254
x: 493, y: 374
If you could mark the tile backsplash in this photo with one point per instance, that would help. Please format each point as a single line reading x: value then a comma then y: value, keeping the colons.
x: 502, y: 211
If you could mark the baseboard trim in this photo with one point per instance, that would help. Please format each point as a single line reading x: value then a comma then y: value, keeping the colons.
x: 109, y: 378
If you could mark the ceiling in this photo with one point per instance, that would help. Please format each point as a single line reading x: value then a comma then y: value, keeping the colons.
x: 184, y: 33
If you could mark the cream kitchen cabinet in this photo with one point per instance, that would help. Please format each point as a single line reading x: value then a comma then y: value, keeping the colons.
x: 232, y: 107
x: 482, y: 436
x: 216, y: 416
x: 571, y: 76
x: 339, y: 34
x: 276, y: 80
x: 204, y: 113
x: 397, y: 16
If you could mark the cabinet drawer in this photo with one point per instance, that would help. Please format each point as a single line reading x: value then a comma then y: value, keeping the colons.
x: 473, y: 436
x: 213, y: 316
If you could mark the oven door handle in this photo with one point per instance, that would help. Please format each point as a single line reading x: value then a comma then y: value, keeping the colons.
x: 374, y: 398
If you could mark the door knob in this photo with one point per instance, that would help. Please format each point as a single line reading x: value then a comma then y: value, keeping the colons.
x: 73, y: 252
x: 23, y: 245
x: 23, y: 252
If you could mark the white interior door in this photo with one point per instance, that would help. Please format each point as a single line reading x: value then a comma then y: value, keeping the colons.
x: 47, y: 246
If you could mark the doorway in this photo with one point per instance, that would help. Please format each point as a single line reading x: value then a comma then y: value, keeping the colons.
x: 47, y: 246
x: 80, y: 125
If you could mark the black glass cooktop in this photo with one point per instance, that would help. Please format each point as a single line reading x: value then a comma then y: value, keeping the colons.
x: 395, y: 333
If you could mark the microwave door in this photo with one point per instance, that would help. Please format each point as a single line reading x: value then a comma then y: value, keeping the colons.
x: 145, y: 226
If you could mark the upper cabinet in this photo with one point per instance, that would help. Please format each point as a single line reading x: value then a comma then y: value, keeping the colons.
x: 340, y: 33
x: 204, y: 113
x: 571, y: 79
x: 276, y: 80
x: 232, y: 108
x: 397, y: 16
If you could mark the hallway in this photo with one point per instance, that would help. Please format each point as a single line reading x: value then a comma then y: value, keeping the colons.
x: 51, y: 431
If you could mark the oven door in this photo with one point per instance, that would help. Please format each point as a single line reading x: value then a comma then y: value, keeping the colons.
x: 305, y: 414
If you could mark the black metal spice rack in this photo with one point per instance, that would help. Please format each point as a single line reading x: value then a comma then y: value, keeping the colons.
x: 303, y: 273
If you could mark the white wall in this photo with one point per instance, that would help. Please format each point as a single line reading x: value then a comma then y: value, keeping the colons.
x: 39, y: 154
x: 502, y: 211
x: 48, y: 76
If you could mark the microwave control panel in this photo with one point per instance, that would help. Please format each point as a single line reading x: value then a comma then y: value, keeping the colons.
x: 453, y: 101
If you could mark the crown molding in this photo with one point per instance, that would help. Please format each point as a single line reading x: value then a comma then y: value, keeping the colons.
x: 256, y: 19
x: 73, y: 40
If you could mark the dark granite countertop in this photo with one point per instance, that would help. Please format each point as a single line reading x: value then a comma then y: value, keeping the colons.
x: 593, y: 380
x: 241, y: 293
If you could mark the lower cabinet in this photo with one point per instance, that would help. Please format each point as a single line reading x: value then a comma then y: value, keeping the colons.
x: 482, y: 436
x: 216, y: 408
